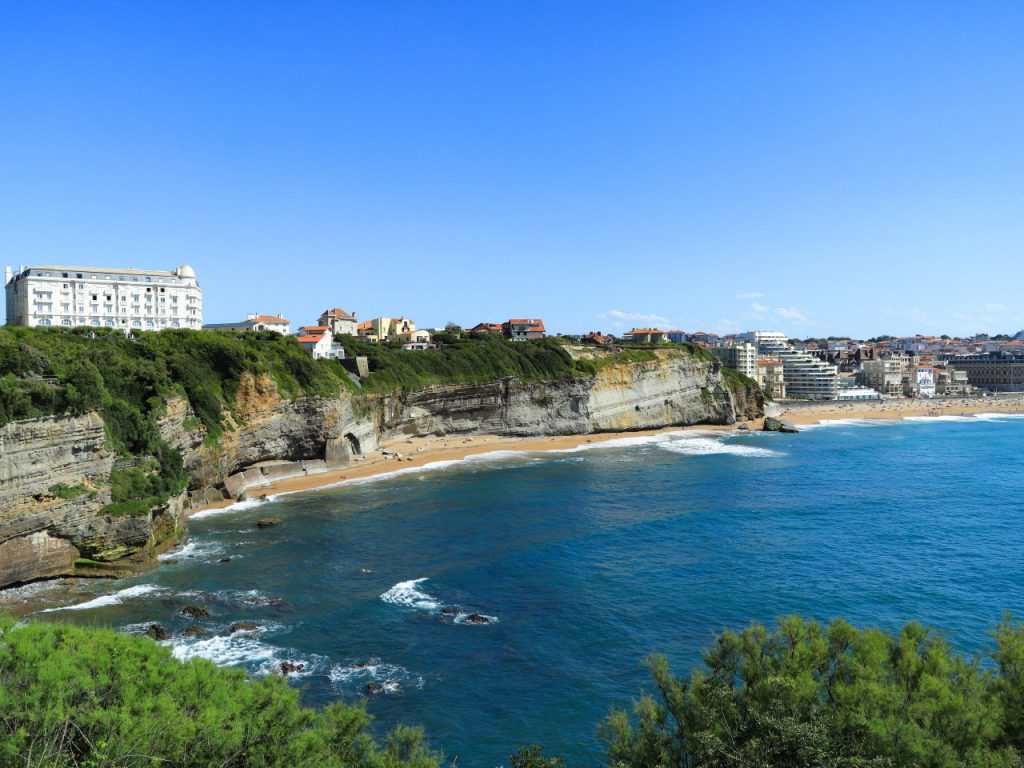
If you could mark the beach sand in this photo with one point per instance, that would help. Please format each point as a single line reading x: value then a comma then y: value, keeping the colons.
x: 419, y: 451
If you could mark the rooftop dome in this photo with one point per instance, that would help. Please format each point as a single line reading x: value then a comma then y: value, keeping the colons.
x: 186, y: 271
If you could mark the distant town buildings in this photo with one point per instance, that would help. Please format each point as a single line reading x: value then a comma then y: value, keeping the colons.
x: 739, y: 355
x: 522, y: 329
x: 383, y: 329
x: 254, y: 322
x: 806, y: 377
x: 997, y: 371
x: 98, y: 297
x: 319, y: 342
x: 340, y: 322
x: 772, y: 378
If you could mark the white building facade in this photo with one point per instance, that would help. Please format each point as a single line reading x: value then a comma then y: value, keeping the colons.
x: 807, y: 377
x: 740, y: 357
x: 126, y: 299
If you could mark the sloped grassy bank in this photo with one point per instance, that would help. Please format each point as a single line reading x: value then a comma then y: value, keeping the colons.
x: 800, y: 696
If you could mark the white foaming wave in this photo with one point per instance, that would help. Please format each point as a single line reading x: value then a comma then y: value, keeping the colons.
x: 407, y: 594
x: 193, y: 550
x: 637, y: 440
x: 704, y: 446
x: 115, y: 598
x: 999, y: 416
x: 946, y: 417
x: 238, y: 506
x: 225, y: 650
x: 391, y: 676
x: 848, y: 423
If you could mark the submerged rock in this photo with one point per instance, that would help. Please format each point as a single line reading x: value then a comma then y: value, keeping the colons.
x: 372, y: 688
x: 156, y: 632
x: 224, y: 560
x: 450, y: 610
x: 268, y: 522
x: 242, y: 626
x: 287, y: 667
x: 195, y: 631
x: 195, y: 612
x: 476, y: 618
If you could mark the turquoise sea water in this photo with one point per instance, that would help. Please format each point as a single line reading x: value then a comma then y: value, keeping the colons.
x: 586, y: 562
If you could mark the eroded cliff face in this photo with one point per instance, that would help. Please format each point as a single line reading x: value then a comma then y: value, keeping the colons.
x: 267, y: 438
x: 43, y: 534
x: 675, y: 389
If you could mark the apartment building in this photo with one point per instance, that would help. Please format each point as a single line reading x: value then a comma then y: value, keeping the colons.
x: 806, y: 377
x: 740, y: 357
x: 126, y: 299
x: 771, y: 376
x: 998, y: 371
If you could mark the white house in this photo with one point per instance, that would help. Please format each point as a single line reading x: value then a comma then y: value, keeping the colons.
x: 319, y: 342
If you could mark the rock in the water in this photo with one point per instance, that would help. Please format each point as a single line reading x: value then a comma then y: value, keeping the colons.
x: 242, y: 626
x: 195, y: 631
x: 243, y: 496
x: 476, y: 618
x: 772, y: 424
x: 195, y: 612
x: 287, y: 667
x: 268, y: 522
x: 224, y: 560
x: 156, y: 632
x: 169, y: 561
x: 373, y: 688
x: 450, y: 610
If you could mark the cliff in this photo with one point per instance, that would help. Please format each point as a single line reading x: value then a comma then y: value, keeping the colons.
x: 55, y: 471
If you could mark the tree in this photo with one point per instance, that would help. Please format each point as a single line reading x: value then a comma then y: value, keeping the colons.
x: 806, y: 695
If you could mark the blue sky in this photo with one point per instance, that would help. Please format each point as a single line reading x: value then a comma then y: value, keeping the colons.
x: 815, y: 168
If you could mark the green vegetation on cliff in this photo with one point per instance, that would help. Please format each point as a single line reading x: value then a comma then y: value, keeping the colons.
x: 807, y: 696
x: 71, y: 696
x: 48, y: 371
x: 475, y: 359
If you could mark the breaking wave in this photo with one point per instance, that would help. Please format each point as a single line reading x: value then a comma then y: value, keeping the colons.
x: 705, y: 446
x: 406, y: 593
x: 115, y: 598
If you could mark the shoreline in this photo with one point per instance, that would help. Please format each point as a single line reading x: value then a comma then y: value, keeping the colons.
x: 424, y: 451
x: 417, y: 452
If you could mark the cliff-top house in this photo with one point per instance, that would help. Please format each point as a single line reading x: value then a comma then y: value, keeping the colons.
x: 254, y: 322
x: 339, y: 321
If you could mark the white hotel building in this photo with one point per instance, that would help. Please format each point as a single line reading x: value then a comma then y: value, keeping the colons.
x: 127, y: 299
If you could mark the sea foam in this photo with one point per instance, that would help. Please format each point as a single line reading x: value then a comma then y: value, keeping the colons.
x: 406, y: 593
x: 705, y: 446
x: 115, y: 598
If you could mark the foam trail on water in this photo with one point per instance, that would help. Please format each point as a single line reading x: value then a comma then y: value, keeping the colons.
x: 406, y: 593
x: 115, y: 598
x: 848, y: 423
x: 238, y: 506
x: 704, y: 446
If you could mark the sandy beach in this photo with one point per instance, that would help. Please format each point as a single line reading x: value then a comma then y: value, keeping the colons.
x: 416, y: 452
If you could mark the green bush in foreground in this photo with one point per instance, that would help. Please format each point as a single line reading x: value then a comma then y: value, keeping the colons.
x: 808, y: 696
x: 86, y: 697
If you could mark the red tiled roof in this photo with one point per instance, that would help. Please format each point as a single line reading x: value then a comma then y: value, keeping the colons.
x: 267, y: 319
x: 636, y: 331
x: 314, y: 328
x: 338, y: 312
x: 310, y: 339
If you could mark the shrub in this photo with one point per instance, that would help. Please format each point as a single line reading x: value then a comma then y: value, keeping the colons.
x: 79, y: 697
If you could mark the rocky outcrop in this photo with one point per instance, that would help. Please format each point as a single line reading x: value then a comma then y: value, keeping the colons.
x: 54, y: 480
x: 47, y: 531
x: 675, y: 389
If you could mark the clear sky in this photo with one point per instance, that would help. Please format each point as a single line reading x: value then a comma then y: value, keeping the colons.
x: 812, y: 167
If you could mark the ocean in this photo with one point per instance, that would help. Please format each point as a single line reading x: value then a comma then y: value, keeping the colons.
x: 583, y: 562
